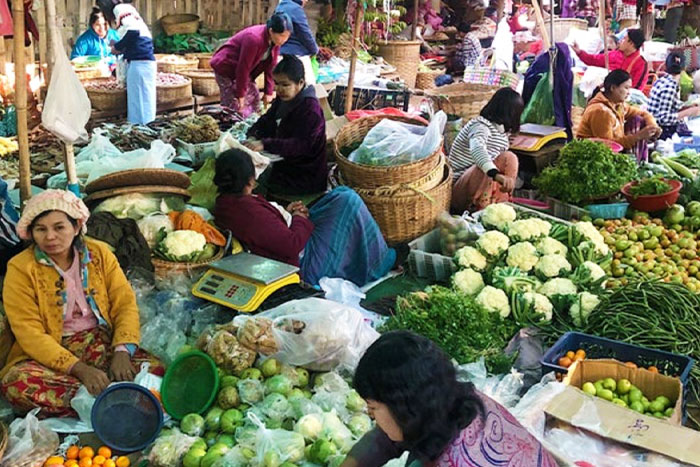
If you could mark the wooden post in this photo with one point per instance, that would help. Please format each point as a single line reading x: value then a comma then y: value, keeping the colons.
x: 25, y: 188
x: 541, y: 25
x: 603, y: 29
x: 414, y: 27
x: 50, y: 37
x: 357, y: 27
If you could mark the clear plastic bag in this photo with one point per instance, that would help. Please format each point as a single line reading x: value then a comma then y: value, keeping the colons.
x: 228, y: 141
x: 169, y: 449
x: 504, y: 389
x: 99, y: 146
x: 312, y: 333
x: 156, y: 157
x: 82, y: 403
x: 29, y: 440
x: 274, y: 447
x: 394, y: 143
x: 456, y: 232
x: 235, y: 457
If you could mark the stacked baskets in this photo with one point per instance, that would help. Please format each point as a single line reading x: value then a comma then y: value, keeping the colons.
x: 169, y: 63
x: 203, y: 82
x: 180, y: 24
x: 463, y: 99
x: 167, y: 93
x: 404, y: 55
x: 426, y: 79
x: 105, y: 94
x: 203, y: 59
x: 406, y: 199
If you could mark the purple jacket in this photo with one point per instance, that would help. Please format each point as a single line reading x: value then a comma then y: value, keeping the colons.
x: 240, y: 59
x: 300, y: 138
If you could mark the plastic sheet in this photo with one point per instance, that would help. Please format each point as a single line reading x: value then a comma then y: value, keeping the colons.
x: 29, y: 438
x: 504, y: 389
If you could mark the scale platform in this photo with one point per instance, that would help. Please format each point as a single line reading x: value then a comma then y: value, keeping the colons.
x: 532, y: 137
x: 243, y: 281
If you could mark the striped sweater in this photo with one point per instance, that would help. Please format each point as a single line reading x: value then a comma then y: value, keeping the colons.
x: 479, y: 142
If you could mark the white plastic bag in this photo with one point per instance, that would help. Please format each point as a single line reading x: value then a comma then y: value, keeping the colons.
x: 82, y: 403
x: 227, y: 141
x: 274, y: 447
x: 503, y: 47
x: 29, y: 440
x: 156, y: 157
x: 314, y: 333
x: 100, y: 146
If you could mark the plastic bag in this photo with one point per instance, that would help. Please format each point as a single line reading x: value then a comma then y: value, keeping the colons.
x: 223, y: 347
x: 156, y: 157
x: 100, y: 146
x: 314, y: 333
x: 169, y: 449
x: 228, y: 141
x: 456, y: 232
x: 503, y: 47
x: 274, y: 447
x: 233, y: 458
x: 540, y: 109
x: 82, y: 403
x: 151, y: 224
x: 392, y: 143
x: 504, y: 389
x: 29, y: 440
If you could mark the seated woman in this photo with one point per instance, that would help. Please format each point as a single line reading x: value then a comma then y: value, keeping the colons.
x: 665, y: 98
x: 336, y: 238
x: 484, y: 171
x: 399, y: 376
x: 71, y: 310
x: 96, y: 40
x: 607, y: 116
x: 294, y: 127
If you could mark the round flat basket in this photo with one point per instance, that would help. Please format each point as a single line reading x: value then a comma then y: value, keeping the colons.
x: 562, y: 27
x: 180, y: 24
x: 135, y: 177
x: 203, y: 82
x: 105, y: 99
x: 165, y: 190
x: 203, y: 58
x: 404, y: 55
x: 174, y: 92
x: 164, y: 268
x: 370, y: 176
x: 183, y: 63
x: 426, y: 79
x: 405, y: 213
x: 463, y: 99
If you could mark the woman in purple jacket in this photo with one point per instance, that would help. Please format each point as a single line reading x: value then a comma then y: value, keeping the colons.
x: 250, y: 52
x: 294, y: 128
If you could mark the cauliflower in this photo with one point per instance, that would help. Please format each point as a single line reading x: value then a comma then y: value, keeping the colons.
x: 493, y: 243
x: 552, y: 266
x: 151, y: 225
x: 470, y: 257
x: 540, y: 304
x: 550, y: 246
x: 522, y: 255
x: 589, y: 231
x: 582, y: 308
x: 498, y: 216
x: 557, y: 286
x: 468, y: 281
x: 595, y: 271
x: 528, y: 229
x: 180, y: 245
x: 494, y: 300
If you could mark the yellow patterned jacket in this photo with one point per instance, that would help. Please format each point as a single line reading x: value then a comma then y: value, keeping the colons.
x: 33, y: 299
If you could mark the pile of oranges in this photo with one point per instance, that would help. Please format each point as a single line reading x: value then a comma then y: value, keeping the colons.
x: 86, y: 457
x: 570, y: 357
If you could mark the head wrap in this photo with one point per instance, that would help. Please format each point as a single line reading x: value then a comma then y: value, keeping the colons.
x: 52, y: 200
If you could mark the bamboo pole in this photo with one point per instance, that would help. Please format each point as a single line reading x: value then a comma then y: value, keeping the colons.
x: 25, y: 188
x: 357, y: 27
x: 541, y: 26
x: 414, y: 27
x: 50, y: 37
x: 603, y: 29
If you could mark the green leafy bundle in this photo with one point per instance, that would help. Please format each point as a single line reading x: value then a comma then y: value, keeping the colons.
x: 187, y: 43
x: 586, y: 170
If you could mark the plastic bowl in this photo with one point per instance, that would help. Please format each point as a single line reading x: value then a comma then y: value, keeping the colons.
x: 127, y: 417
x: 653, y: 203
x: 615, y: 146
x: 190, y: 384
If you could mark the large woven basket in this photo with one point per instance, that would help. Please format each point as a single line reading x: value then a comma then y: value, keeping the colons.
x: 404, y: 55
x: 164, y: 268
x: 429, y: 181
x: 88, y: 73
x: 204, y: 60
x: 370, y: 176
x: 405, y: 213
x: 562, y: 26
x: 203, y: 82
x: 175, y: 92
x: 463, y: 99
x: 180, y: 24
x: 168, y: 67
x: 102, y: 99
x: 426, y: 79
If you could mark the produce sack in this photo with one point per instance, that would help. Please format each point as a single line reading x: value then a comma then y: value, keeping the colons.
x: 313, y: 333
x: 456, y: 232
x: 392, y: 143
x: 274, y: 447
x: 168, y: 450
x: 29, y: 440
x: 540, y: 109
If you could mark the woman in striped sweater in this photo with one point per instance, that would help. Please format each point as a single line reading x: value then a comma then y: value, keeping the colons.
x: 484, y: 170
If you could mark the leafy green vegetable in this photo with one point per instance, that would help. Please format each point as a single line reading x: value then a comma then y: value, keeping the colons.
x: 188, y: 43
x: 655, y: 185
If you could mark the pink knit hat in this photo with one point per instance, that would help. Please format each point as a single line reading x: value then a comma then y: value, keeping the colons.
x: 52, y: 200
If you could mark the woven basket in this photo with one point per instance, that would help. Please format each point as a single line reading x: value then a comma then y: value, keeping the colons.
x: 164, y: 268
x: 426, y: 79
x: 562, y: 26
x: 139, y: 177
x: 405, y: 213
x: 88, y: 73
x: 180, y: 24
x: 167, y: 67
x: 463, y: 99
x: 369, y: 176
x: 431, y: 180
x: 174, y: 93
x: 203, y: 82
x: 105, y: 99
x: 204, y: 60
x: 404, y: 55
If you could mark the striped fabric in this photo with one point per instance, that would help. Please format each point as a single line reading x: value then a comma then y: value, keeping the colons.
x: 8, y: 219
x: 479, y: 142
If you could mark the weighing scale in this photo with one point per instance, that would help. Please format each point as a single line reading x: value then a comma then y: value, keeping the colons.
x: 243, y: 281
x: 532, y: 137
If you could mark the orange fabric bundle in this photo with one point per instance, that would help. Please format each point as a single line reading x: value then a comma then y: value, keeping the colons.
x: 190, y: 220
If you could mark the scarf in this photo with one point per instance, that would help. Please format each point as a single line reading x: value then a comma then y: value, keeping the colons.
x: 284, y: 108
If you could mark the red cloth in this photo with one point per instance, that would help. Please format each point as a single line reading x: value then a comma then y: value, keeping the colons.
x: 240, y: 59
x: 261, y: 228
x: 634, y: 64
x: 391, y: 111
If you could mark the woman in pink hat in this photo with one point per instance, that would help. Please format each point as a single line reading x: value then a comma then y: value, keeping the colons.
x: 72, y: 311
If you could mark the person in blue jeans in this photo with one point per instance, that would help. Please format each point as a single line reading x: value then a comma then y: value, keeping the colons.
x: 96, y: 40
x: 301, y: 43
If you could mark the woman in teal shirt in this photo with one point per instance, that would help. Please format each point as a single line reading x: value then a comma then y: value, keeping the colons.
x: 96, y: 40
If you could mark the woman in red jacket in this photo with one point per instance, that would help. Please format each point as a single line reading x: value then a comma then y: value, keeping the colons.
x: 244, y: 57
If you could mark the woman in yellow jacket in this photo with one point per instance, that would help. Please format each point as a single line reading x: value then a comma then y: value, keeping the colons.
x: 71, y: 310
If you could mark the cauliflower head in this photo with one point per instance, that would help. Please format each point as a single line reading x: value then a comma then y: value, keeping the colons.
x: 528, y: 229
x: 522, y: 255
x: 470, y: 257
x: 552, y: 266
x: 591, y: 233
x: 184, y: 244
x: 582, y: 308
x: 498, y: 216
x: 493, y: 243
x: 595, y: 271
x: 468, y: 281
x: 540, y: 304
x: 494, y: 300
x: 550, y: 246
x: 557, y: 286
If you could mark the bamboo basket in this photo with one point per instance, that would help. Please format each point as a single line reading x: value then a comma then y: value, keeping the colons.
x: 404, y: 55
x: 369, y: 176
x: 426, y: 79
x: 180, y: 24
x: 405, y: 213
x: 430, y: 181
x: 167, y: 67
x: 562, y: 26
x: 88, y: 73
x: 203, y: 82
x: 105, y: 99
x: 165, y: 268
x: 174, y: 93
x: 203, y: 59
x: 463, y: 99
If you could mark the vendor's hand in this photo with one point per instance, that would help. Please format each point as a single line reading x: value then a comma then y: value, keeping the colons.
x: 254, y: 145
x: 576, y: 48
x: 647, y: 133
x: 241, y: 103
x: 507, y: 183
x: 121, y: 368
x: 93, y: 379
x: 267, y: 99
x: 300, y: 210
x: 294, y: 205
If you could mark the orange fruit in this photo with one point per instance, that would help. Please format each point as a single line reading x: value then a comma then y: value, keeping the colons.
x: 72, y: 452
x: 123, y: 461
x: 71, y: 463
x: 570, y: 354
x: 630, y: 365
x: 565, y: 362
x: 85, y: 462
x: 653, y: 369
x: 580, y: 354
x: 53, y: 460
x: 98, y: 460
x: 110, y: 463
x: 87, y: 451
x: 105, y: 452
